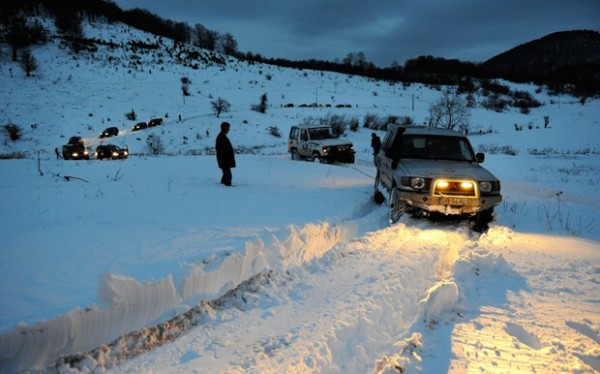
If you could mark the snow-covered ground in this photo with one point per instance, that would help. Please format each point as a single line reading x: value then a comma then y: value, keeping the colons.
x: 150, y: 265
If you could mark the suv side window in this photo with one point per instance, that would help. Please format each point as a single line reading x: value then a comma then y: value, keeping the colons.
x: 304, y: 135
x: 294, y: 133
x: 388, y: 142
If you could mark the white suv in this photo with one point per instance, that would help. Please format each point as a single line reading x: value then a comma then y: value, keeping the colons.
x: 429, y: 171
x: 318, y: 143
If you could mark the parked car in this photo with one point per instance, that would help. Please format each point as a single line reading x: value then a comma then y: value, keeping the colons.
x: 155, y: 122
x: 111, y: 152
x: 75, y: 149
x: 427, y: 171
x: 109, y: 131
x: 319, y: 143
x: 140, y: 126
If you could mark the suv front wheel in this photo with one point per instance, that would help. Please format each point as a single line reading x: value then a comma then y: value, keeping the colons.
x: 378, y: 195
x: 317, y: 158
x: 296, y: 156
x: 397, y: 207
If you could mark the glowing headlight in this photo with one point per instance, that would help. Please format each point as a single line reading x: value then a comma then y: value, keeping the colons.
x: 485, y: 187
x: 466, y: 185
x: 417, y: 183
x: 75, y: 154
x: 442, y: 184
x: 325, y: 149
x: 115, y: 154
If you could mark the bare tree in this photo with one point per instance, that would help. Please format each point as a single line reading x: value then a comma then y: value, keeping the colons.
x: 450, y: 112
x: 228, y: 45
x: 185, y: 87
x: 220, y: 106
x: 28, y: 62
x: 205, y: 38
x: 262, y: 107
x: 16, y: 35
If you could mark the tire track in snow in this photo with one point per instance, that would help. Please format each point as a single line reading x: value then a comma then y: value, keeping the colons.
x: 359, y: 296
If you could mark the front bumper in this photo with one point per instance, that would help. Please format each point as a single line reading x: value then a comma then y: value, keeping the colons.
x: 340, y: 157
x: 449, y: 205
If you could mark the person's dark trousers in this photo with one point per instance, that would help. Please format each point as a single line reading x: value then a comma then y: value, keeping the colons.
x: 226, y: 179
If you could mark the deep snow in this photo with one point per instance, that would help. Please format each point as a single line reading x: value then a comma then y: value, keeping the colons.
x: 317, y: 280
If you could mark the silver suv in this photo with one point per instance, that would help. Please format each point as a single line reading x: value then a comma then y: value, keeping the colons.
x: 427, y: 171
x: 319, y: 143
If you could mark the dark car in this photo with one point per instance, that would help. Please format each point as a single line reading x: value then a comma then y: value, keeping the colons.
x: 75, y: 149
x: 109, y: 131
x: 140, y: 126
x: 155, y: 122
x: 111, y: 152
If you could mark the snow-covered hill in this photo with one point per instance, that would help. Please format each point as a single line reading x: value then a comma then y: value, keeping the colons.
x: 150, y: 265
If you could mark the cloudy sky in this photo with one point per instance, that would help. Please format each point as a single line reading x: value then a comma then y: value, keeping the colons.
x: 384, y: 30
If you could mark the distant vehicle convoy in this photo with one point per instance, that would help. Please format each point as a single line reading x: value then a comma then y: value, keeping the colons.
x: 111, y: 152
x: 155, y: 122
x: 109, y: 131
x: 140, y: 126
x: 75, y: 149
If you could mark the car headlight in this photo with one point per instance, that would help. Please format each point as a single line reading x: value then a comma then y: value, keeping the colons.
x: 115, y: 154
x: 485, y: 187
x: 417, y: 183
x: 325, y: 149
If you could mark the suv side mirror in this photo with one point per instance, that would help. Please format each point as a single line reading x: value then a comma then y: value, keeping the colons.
x: 480, y: 157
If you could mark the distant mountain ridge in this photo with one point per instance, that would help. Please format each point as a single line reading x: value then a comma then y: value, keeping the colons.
x: 565, y: 61
x: 554, y: 55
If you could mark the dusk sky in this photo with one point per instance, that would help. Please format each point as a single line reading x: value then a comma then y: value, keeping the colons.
x: 384, y: 30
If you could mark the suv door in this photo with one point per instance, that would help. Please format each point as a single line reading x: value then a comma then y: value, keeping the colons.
x: 303, y: 147
x: 293, y: 138
x: 385, y: 158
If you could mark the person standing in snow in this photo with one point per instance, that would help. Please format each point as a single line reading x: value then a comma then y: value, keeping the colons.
x: 376, y: 145
x: 225, y: 154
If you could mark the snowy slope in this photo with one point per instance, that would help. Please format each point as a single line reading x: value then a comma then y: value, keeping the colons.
x: 295, y: 268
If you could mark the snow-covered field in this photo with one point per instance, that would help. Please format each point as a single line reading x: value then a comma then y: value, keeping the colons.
x: 150, y: 265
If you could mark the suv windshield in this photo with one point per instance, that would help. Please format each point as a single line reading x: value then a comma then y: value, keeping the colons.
x: 436, y: 148
x: 321, y: 133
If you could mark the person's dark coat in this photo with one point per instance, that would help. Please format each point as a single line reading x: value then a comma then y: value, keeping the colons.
x: 225, y: 154
x: 375, y: 144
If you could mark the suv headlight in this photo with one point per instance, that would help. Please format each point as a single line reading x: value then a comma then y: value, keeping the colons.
x: 417, y: 183
x: 326, y: 149
x: 485, y: 187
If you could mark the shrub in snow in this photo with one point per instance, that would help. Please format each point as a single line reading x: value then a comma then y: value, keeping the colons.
x: 132, y: 116
x: 274, y: 131
x: 262, y: 106
x: 13, y: 131
x: 155, y: 145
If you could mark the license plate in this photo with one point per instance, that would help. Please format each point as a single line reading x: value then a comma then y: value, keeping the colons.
x: 453, y: 201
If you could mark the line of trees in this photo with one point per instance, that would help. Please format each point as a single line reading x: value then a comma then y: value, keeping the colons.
x: 69, y: 14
